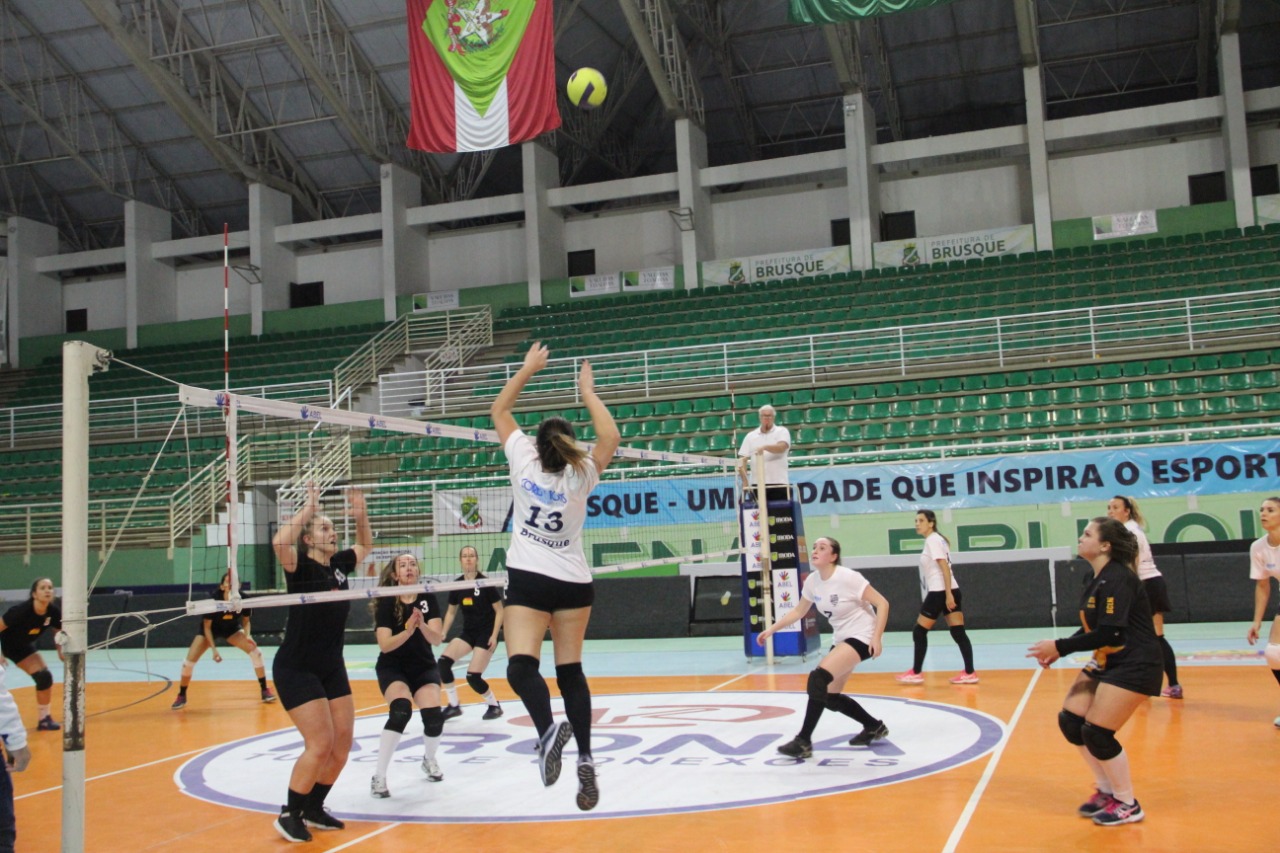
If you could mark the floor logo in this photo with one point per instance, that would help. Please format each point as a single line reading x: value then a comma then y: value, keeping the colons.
x: 657, y: 753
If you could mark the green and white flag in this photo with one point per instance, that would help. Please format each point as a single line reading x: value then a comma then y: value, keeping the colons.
x: 835, y: 11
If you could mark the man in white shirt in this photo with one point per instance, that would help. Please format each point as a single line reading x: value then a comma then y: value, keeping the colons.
x: 18, y: 755
x: 775, y: 441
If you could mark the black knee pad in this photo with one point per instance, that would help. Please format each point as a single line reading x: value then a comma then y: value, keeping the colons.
x: 432, y: 721
x: 477, y: 683
x: 1100, y: 742
x: 522, y: 673
x: 819, y: 681
x: 1071, y: 724
x: 445, y: 665
x: 43, y: 679
x: 401, y: 713
x: 920, y: 634
x: 570, y: 677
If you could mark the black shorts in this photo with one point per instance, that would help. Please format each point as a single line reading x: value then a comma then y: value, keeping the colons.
x: 863, y: 650
x: 539, y: 592
x: 935, y: 604
x: 1137, y: 678
x: 416, y: 679
x: 1158, y: 594
x: 299, y: 686
x: 223, y: 633
x: 17, y: 650
x: 475, y: 639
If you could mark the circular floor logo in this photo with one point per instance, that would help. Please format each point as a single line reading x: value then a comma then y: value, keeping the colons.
x: 656, y: 753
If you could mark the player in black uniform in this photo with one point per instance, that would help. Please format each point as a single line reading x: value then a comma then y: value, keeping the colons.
x: 481, y: 622
x: 230, y: 627
x: 407, y: 626
x: 20, y: 628
x: 308, y: 669
x: 1126, y: 667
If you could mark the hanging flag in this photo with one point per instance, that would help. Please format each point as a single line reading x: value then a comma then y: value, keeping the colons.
x: 835, y: 11
x: 481, y: 73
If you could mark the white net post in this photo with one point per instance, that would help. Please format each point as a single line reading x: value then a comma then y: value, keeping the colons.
x: 79, y: 360
x: 766, y: 568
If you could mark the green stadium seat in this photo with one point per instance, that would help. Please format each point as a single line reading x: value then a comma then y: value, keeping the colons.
x: 1212, y: 383
x: 1217, y: 406
x: 1260, y: 380
x: 1191, y: 408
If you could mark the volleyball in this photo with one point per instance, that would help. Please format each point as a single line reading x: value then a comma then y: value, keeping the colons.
x: 586, y: 88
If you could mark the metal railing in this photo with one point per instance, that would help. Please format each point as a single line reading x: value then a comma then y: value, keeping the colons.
x: 445, y: 338
x: 1023, y: 340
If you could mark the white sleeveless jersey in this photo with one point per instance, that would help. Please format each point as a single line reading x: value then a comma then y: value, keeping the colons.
x: 547, y: 513
x: 931, y: 577
x: 1264, y: 560
x: 840, y: 600
x: 1146, y: 563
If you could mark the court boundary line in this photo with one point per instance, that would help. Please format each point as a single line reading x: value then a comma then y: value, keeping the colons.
x: 970, y: 807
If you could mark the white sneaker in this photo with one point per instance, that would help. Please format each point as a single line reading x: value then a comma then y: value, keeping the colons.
x: 378, y: 787
x: 432, y: 768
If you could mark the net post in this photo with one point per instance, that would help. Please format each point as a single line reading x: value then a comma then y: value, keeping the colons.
x: 79, y: 360
x: 766, y: 556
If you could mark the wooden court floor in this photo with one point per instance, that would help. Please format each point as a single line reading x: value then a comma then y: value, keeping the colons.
x: 1201, y: 768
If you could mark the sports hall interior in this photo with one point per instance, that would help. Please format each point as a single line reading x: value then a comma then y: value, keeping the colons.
x: 357, y: 276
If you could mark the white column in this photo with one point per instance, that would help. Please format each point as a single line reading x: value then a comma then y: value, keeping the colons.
x: 695, y: 222
x: 276, y: 265
x: 404, y: 248
x: 1235, y: 131
x: 543, y: 227
x: 35, y: 299
x: 150, y: 286
x: 1038, y: 153
x: 863, y: 179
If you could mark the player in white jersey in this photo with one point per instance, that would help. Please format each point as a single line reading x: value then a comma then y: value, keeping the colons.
x: 1125, y: 510
x: 548, y: 581
x: 858, y: 615
x: 1264, y: 564
x: 941, y: 595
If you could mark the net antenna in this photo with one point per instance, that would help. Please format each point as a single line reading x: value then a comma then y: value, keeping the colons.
x: 315, y: 417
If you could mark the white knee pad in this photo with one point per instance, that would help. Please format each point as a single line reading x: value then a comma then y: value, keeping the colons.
x: 1273, y: 655
x: 256, y: 657
x: 188, y: 667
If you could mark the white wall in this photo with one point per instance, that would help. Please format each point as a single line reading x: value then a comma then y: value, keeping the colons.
x: 1264, y: 145
x: 103, y: 297
x: 956, y: 202
x: 1144, y: 178
x: 349, y: 273
x: 476, y: 258
x: 757, y: 223
x: 625, y: 240
x: 200, y: 292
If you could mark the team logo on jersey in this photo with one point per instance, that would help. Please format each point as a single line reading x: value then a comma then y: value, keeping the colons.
x: 661, y: 753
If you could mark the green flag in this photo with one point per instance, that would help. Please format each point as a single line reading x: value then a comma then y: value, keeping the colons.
x: 835, y: 11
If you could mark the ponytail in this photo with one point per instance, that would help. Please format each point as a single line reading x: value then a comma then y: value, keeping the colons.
x: 557, y: 448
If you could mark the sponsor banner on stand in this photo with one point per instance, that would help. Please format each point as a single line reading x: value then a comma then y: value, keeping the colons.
x: 1112, y: 225
x: 594, y: 285
x: 659, y: 278
x: 440, y: 300
x: 955, y: 247
x: 778, y: 266
x: 1268, y: 209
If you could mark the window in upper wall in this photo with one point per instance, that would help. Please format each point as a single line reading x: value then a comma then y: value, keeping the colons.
x: 898, y: 226
x: 1208, y: 188
x: 306, y: 294
x: 78, y: 320
x: 1265, y: 179
x: 582, y: 262
x: 840, y: 233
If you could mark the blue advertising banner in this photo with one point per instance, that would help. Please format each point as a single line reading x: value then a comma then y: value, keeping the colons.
x: 1147, y: 472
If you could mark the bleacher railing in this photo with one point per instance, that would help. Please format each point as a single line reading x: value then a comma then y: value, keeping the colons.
x: 994, y: 343
x: 445, y: 339
x: 129, y: 418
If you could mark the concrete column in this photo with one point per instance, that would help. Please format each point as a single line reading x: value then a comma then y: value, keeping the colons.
x: 863, y: 179
x: 1235, y: 131
x: 543, y: 227
x: 275, y: 264
x: 695, y: 220
x: 35, y: 299
x: 150, y: 286
x: 404, y: 248
x: 1038, y: 153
